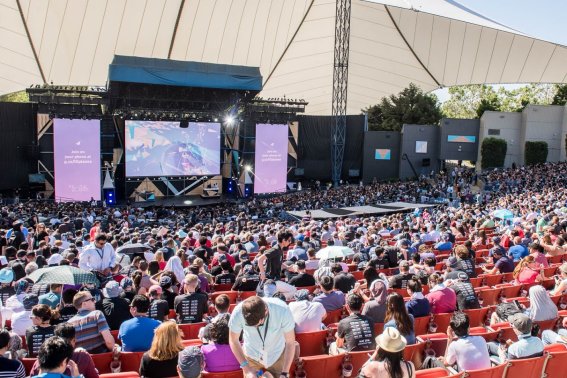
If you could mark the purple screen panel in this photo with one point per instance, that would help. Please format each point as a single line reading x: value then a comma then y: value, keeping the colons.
x: 162, y: 148
x: 270, y: 170
x: 76, y: 146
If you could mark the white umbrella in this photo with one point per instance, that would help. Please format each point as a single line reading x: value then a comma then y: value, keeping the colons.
x: 334, y: 252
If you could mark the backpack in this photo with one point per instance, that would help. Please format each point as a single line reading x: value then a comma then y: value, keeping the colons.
x: 504, y: 310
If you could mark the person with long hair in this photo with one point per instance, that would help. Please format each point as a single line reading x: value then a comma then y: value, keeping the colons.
x: 41, y: 329
x: 388, y: 358
x: 161, y: 359
x: 160, y: 259
x: 541, y: 306
x: 217, y: 354
x: 528, y: 272
x: 397, y: 317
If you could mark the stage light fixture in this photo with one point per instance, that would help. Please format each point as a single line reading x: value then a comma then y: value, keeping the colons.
x: 229, y: 120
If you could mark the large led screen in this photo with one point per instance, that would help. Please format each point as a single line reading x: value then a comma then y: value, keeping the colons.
x: 76, y: 146
x: 270, y: 170
x: 162, y: 148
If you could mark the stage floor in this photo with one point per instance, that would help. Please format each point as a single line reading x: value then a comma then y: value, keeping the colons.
x: 182, y: 201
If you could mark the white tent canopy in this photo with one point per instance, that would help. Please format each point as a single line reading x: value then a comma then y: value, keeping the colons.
x: 433, y: 43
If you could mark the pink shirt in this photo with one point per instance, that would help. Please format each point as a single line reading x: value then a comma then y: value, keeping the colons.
x: 540, y: 259
x: 219, y: 358
x: 442, y: 301
x: 527, y: 276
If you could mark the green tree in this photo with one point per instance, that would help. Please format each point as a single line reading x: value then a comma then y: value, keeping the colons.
x: 493, y: 152
x: 465, y: 100
x: 410, y: 106
x: 560, y: 96
x: 490, y: 103
x: 20, y: 96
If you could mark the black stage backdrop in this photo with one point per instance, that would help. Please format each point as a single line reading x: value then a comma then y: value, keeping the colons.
x: 314, y: 152
x: 18, y: 149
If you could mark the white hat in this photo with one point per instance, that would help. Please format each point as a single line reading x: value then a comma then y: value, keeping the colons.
x: 391, y: 340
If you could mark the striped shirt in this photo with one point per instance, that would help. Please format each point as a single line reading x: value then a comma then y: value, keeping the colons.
x: 88, y: 327
x: 11, y: 368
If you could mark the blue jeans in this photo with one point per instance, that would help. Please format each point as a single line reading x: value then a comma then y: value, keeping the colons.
x: 550, y: 337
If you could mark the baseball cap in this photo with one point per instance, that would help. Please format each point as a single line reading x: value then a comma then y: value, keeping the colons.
x: 29, y: 301
x: 189, y: 362
x: 6, y: 275
x: 404, y: 263
x: 452, y: 262
x: 165, y: 280
x: 301, y: 295
x: 521, y: 322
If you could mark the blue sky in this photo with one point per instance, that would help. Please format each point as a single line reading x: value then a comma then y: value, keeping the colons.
x: 543, y: 19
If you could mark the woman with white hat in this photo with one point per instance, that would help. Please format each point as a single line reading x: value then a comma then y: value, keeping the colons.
x: 387, y: 361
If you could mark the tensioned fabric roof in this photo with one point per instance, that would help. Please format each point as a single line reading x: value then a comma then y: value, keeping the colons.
x: 432, y: 43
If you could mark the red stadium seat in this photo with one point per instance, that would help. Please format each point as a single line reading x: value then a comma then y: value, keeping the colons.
x: 311, y: 289
x: 436, y: 341
x: 222, y: 287
x: 102, y: 362
x: 114, y: 334
x: 493, y: 372
x: 432, y: 373
x: 232, y: 295
x: 558, y: 347
x: 403, y: 292
x: 442, y: 321
x: 477, y: 317
x: 28, y: 364
x: 333, y: 316
x: 421, y: 325
x: 415, y: 353
x: 509, y: 290
x: 192, y: 342
x: 554, y: 365
x: 320, y: 366
x: 358, y: 274
x: 487, y: 334
x: 505, y: 331
x: 126, y: 374
x: 525, y: 368
x: 357, y: 359
x: 493, y: 279
x: 555, y: 259
x: 130, y: 361
x: 191, y: 331
x: 311, y: 343
x: 476, y: 282
x: 545, y: 325
x: 245, y: 294
x: 378, y: 328
x: 489, y: 297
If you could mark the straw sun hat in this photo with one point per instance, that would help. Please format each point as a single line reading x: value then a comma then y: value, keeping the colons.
x: 391, y: 341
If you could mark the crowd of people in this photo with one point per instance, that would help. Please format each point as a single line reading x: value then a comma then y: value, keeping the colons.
x: 257, y: 279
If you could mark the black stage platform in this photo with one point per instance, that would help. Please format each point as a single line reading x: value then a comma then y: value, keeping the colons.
x: 182, y: 201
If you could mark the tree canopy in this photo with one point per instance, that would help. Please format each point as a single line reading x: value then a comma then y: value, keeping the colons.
x: 410, y: 106
x: 471, y: 101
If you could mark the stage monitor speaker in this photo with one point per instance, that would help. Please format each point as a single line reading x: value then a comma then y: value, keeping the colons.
x: 353, y: 172
x: 426, y: 162
x: 299, y: 172
x: 184, y: 124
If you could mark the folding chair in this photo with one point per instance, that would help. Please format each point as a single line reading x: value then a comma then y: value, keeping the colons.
x: 554, y: 365
x: 525, y: 368
x: 191, y: 331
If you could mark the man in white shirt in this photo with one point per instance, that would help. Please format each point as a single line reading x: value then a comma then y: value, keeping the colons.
x: 99, y: 256
x: 306, y: 314
x: 468, y: 352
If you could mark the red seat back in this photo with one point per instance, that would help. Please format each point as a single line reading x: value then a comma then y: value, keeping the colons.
x: 191, y: 331
x: 477, y: 316
x: 333, y: 316
x: 232, y: 295
x: 493, y: 372
x: 525, y: 368
x: 432, y: 373
x: 130, y: 361
x: 421, y: 325
x: 28, y: 364
x: 126, y: 374
x: 311, y: 343
x: 554, y: 366
x: 102, y: 362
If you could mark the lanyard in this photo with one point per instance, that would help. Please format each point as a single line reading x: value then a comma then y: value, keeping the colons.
x: 265, y: 331
x: 100, y: 252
